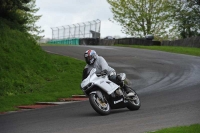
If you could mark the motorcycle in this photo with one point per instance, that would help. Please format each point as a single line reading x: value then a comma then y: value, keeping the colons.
x: 105, y: 95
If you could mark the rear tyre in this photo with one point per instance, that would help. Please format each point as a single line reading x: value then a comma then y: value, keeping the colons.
x: 134, y: 102
x: 103, y: 108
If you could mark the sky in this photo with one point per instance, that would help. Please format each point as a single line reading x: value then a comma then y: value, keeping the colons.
x: 56, y: 13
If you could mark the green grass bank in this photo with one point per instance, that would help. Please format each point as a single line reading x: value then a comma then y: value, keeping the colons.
x: 29, y: 75
x: 182, y: 129
x: 172, y: 49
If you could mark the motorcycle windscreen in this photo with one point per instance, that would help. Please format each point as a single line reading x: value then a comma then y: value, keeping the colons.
x: 85, y: 73
x: 86, y: 77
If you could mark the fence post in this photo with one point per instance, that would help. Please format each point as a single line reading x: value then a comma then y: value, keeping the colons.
x: 84, y: 30
x: 52, y: 33
x: 58, y: 32
x: 64, y: 32
x: 74, y: 30
x: 90, y: 27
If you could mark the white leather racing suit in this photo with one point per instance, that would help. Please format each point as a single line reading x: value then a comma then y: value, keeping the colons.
x: 100, y: 64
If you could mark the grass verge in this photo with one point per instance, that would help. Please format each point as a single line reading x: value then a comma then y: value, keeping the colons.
x: 182, y: 129
x: 29, y: 75
x: 172, y: 49
x: 60, y: 81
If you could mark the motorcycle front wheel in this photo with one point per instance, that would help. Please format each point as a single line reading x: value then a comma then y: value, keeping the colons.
x: 134, y: 102
x: 103, y: 108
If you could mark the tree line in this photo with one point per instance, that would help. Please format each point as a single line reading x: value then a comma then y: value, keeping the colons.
x: 165, y: 19
x: 20, y: 15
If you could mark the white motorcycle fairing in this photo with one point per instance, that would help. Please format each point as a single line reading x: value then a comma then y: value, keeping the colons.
x: 105, y: 95
x: 102, y: 82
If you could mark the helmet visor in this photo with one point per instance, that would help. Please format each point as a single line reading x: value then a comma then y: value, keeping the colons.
x: 87, y: 58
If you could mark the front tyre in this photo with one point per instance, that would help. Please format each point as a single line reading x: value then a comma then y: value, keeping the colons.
x: 103, y: 108
x: 133, y: 102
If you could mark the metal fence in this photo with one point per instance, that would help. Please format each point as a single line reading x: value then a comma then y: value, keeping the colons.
x: 90, y: 29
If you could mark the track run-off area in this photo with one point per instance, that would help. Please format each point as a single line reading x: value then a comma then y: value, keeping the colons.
x: 168, y: 85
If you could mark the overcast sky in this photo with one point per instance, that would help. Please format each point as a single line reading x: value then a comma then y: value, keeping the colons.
x: 57, y: 13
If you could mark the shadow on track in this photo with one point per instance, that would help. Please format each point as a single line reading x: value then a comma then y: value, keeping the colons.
x: 94, y: 114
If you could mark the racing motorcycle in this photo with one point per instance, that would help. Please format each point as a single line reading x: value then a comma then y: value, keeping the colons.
x: 105, y: 95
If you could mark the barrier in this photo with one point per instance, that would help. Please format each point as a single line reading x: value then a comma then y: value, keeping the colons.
x: 89, y: 41
x: 137, y: 41
x: 74, y: 41
x: 187, y: 42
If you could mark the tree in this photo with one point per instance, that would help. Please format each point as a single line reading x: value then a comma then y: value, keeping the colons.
x: 141, y: 17
x: 32, y: 28
x: 8, y: 11
x: 19, y: 14
x: 187, y: 18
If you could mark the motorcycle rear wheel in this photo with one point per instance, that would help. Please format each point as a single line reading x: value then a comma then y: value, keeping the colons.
x: 103, y: 108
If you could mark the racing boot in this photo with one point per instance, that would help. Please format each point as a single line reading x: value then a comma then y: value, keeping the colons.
x: 128, y: 91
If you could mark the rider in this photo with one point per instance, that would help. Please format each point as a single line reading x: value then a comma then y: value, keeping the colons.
x: 98, y: 62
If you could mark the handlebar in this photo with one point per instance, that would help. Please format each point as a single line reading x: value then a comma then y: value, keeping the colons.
x: 101, y: 74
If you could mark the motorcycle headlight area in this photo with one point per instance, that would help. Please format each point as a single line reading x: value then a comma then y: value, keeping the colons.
x: 88, y: 86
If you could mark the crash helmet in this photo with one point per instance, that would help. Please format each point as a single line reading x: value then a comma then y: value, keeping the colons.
x: 90, y: 56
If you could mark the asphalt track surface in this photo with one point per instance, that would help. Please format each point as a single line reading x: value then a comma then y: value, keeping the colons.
x: 168, y: 85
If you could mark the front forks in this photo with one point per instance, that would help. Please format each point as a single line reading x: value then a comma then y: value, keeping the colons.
x: 99, y: 94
